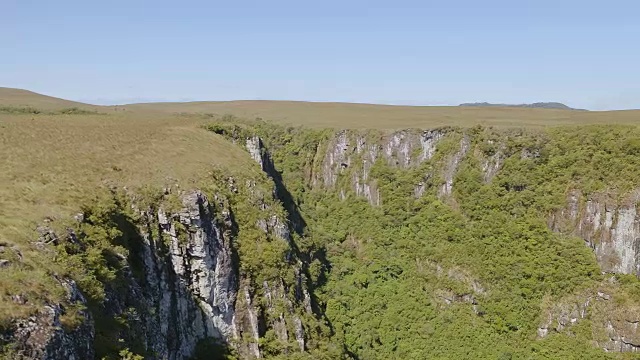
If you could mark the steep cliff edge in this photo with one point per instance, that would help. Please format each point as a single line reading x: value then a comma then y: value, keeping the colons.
x: 440, y: 243
x: 612, y: 319
x: 609, y: 225
x: 501, y: 180
x: 179, y: 272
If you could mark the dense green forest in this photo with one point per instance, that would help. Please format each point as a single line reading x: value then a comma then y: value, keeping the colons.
x: 465, y: 276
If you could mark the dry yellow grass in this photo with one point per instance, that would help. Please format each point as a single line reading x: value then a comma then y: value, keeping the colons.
x: 346, y: 115
x: 49, y: 162
x: 18, y: 97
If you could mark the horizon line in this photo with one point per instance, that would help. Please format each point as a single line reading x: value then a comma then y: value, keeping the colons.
x: 398, y: 103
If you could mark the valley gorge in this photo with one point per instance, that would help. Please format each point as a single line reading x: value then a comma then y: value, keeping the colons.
x: 357, y: 244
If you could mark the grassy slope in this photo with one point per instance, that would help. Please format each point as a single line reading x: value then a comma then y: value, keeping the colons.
x: 363, y: 116
x: 51, y: 165
x: 18, y: 97
x: 50, y: 161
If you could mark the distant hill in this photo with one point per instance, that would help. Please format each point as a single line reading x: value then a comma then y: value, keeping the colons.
x: 25, y: 98
x: 338, y: 115
x: 538, y: 105
x: 367, y: 116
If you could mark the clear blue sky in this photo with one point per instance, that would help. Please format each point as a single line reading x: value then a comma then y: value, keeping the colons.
x: 584, y: 53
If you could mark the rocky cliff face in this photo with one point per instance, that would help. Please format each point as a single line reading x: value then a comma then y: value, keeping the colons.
x: 42, y: 336
x: 185, y: 285
x: 451, y: 166
x: 344, y: 160
x: 615, y: 324
x: 355, y: 153
x: 611, y: 227
x: 190, y: 277
x: 275, y: 292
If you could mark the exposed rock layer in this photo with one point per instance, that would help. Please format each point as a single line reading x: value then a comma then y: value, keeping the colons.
x: 610, y: 227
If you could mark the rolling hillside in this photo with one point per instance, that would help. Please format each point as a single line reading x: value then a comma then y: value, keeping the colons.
x: 25, y: 98
x: 368, y: 116
x: 342, y: 115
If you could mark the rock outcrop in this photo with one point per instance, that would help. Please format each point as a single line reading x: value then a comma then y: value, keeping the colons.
x: 609, y: 226
x: 355, y: 153
x: 184, y: 286
x: 615, y: 323
x: 42, y: 335
x: 190, y: 278
x: 537, y: 105
x: 491, y: 164
x: 451, y: 166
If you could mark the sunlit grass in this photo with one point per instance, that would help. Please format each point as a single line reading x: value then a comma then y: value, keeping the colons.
x: 51, y: 164
x: 368, y: 116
